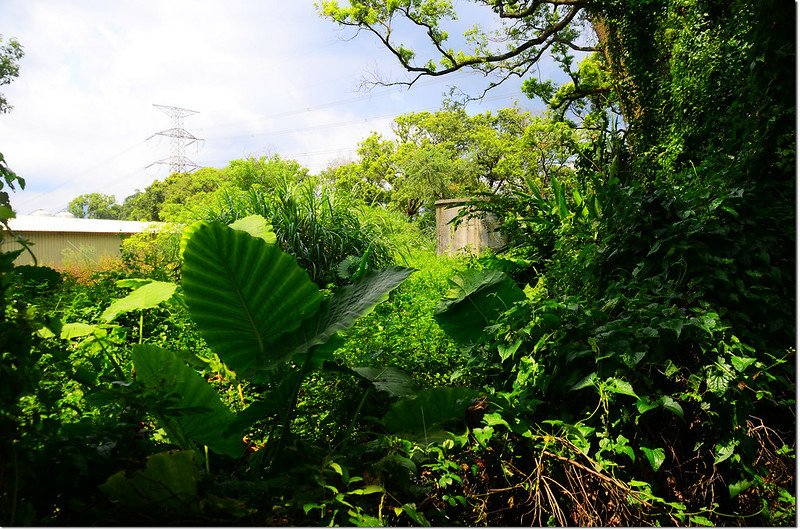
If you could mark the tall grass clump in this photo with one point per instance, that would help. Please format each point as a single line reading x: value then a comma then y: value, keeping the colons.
x: 323, y: 231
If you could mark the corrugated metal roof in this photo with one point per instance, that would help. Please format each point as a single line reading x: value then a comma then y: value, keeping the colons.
x: 35, y: 223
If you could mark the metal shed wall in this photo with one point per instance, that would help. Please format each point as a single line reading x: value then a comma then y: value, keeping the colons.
x: 56, y: 249
x: 59, y: 241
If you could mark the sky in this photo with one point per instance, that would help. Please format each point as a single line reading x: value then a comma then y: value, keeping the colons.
x: 264, y: 77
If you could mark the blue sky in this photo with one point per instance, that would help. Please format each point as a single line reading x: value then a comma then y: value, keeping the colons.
x: 266, y: 77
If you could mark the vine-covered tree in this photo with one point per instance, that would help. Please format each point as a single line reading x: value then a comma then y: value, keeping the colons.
x: 665, y: 270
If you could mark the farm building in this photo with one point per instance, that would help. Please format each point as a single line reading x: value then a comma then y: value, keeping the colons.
x: 62, y: 239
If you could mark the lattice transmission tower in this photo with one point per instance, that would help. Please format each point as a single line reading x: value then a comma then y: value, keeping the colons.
x: 179, y: 137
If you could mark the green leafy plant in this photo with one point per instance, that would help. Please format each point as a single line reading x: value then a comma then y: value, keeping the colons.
x: 259, y: 311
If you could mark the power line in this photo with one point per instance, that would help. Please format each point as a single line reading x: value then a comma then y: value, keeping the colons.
x: 180, y: 134
x: 335, y: 125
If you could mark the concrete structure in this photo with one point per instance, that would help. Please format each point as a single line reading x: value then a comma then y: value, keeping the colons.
x: 61, y: 238
x: 472, y: 235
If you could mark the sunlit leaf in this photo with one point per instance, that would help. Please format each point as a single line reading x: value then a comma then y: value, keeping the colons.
x: 588, y: 380
x: 244, y: 293
x: 654, y: 456
x: 72, y: 330
x: 618, y: 386
x: 340, y: 312
x: 147, y: 296
x: 256, y: 226
x: 741, y: 363
x: 738, y: 487
x: 700, y: 520
x: 673, y: 406
x: 723, y: 451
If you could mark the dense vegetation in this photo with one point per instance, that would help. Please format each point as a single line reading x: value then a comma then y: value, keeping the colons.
x: 627, y: 359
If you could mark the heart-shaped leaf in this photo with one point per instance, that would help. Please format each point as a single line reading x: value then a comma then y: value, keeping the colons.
x: 244, y: 293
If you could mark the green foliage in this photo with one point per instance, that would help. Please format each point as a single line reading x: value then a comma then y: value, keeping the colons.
x: 183, y: 197
x: 146, y: 295
x: 403, y: 332
x: 168, y: 482
x: 474, y: 301
x: 441, y: 155
x: 10, y: 55
x: 95, y: 206
x: 320, y: 229
x: 241, y: 313
x: 194, y: 411
x: 629, y: 360
x: 280, y: 317
x: 424, y: 416
x: 154, y: 254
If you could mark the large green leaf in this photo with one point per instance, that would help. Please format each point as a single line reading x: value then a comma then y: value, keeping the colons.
x: 389, y: 379
x: 426, y: 414
x: 244, y: 293
x: 256, y: 226
x: 167, y: 483
x: 340, y: 311
x: 475, y: 300
x: 654, y: 456
x: 73, y: 330
x: 147, y: 296
x: 199, y: 413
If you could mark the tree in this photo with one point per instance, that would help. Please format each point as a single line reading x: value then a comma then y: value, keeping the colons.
x: 10, y: 55
x: 531, y: 29
x: 183, y: 196
x: 263, y: 171
x: 685, y: 207
x: 95, y: 206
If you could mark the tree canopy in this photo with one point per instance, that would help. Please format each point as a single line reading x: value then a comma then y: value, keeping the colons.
x: 95, y: 206
x: 10, y: 55
x: 526, y: 31
x: 450, y: 153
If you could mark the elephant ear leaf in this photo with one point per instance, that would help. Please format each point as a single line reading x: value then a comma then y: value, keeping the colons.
x: 244, y: 293
x: 342, y: 310
x: 168, y: 482
x: 187, y: 235
x: 476, y: 299
x: 199, y: 414
x: 148, y: 296
x: 426, y: 414
x: 256, y: 226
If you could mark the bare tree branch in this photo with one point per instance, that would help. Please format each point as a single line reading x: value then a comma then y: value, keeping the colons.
x: 531, y: 9
x: 488, y: 63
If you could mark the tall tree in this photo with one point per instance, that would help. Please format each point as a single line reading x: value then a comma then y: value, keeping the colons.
x: 529, y: 30
x: 10, y: 55
x: 95, y: 206
x: 686, y: 207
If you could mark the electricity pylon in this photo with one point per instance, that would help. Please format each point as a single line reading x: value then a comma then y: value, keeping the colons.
x: 179, y: 137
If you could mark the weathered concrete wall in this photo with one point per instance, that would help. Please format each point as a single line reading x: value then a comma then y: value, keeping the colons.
x: 472, y: 235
